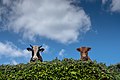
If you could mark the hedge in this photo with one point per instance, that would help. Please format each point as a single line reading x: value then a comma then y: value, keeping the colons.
x: 67, y: 69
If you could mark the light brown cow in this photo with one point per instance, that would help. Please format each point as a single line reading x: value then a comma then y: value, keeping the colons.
x: 35, y: 53
x: 84, y: 53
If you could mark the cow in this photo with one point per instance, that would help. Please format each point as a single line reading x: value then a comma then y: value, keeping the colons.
x: 35, y: 53
x: 84, y: 53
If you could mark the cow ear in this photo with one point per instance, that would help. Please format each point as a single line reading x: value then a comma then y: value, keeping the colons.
x: 78, y: 49
x: 89, y: 48
x: 29, y: 49
x: 42, y: 49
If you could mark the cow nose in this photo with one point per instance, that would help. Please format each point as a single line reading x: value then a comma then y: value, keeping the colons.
x: 34, y: 58
x: 85, y: 58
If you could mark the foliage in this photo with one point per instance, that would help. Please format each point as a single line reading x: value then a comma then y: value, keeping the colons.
x: 115, y: 70
x: 67, y: 69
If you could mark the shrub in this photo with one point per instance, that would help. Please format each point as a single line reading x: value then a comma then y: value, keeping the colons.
x: 115, y: 70
x: 67, y: 69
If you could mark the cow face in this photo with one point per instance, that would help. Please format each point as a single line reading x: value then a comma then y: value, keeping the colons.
x: 35, y: 52
x: 84, y: 53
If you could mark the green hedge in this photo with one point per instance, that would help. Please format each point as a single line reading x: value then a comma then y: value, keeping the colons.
x: 67, y: 69
x: 115, y: 70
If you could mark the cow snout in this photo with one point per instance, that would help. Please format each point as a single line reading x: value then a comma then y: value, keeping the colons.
x: 84, y: 55
x: 85, y: 58
x: 32, y: 59
x: 35, y: 58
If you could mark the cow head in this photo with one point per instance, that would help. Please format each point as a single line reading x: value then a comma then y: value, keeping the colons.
x: 84, y: 53
x: 35, y: 52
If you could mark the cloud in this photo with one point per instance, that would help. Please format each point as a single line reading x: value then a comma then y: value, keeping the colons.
x: 52, y: 19
x: 61, y: 53
x: 104, y: 1
x: 21, y: 42
x: 14, y: 62
x: 8, y: 49
x: 46, y: 47
x: 11, y: 62
x: 115, y: 6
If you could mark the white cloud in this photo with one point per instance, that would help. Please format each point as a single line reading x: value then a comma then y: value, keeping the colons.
x: 53, y: 19
x: 6, y: 2
x: 104, y: 1
x: 14, y: 62
x: 115, y: 6
x: 21, y: 41
x: 8, y: 49
x: 11, y: 62
x: 61, y: 53
x: 46, y: 47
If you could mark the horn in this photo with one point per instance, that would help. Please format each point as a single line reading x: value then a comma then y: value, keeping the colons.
x: 40, y: 46
x: 31, y: 46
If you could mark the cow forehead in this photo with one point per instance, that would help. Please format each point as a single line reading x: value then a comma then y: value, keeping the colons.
x: 84, y: 53
x: 84, y: 48
x: 34, y: 47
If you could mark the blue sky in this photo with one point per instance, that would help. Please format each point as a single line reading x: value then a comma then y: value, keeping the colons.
x: 60, y: 26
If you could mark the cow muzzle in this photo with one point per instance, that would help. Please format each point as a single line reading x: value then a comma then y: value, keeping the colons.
x: 85, y: 58
x: 35, y: 58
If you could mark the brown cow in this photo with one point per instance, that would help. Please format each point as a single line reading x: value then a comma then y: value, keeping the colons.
x: 84, y: 53
x: 35, y: 53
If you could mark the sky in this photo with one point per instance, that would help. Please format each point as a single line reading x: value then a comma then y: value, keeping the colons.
x: 60, y: 26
